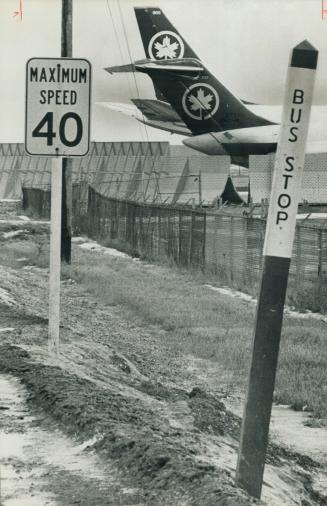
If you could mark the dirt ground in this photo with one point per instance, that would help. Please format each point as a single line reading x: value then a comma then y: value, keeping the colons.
x: 118, y: 418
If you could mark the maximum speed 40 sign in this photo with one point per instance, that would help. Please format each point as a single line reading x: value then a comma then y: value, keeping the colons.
x: 58, y: 96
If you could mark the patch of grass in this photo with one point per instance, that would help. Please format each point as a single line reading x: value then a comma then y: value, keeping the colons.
x: 12, y: 253
x: 156, y: 295
x: 307, y: 298
x: 302, y: 377
x: 208, y: 325
x: 120, y: 245
x: 198, y: 321
x: 32, y: 246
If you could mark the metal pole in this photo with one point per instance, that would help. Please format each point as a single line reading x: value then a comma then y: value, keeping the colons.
x: 54, y: 281
x: 66, y: 220
x: 277, y: 252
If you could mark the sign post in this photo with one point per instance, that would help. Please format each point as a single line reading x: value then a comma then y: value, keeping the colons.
x: 57, y: 124
x: 55, y: 241
x: 277, y: 251
x: 66, y: 204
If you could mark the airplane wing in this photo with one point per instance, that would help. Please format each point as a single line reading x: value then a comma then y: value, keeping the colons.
x: 127, y: 109
x: 156, y: 109
x: 151, y: 112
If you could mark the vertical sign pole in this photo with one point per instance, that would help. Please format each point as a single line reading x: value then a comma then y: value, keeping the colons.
x: 277, y: 252
x: 66, y: 223
x: 55, y: 238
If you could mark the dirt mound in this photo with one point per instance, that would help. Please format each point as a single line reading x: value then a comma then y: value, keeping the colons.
x: 154, y: 454
x: 211, y: 415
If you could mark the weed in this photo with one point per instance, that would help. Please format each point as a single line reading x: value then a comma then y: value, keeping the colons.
x: 209, y: 325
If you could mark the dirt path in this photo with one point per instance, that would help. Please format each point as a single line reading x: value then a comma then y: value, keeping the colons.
x: 36, y: 461
x: 159, y: 432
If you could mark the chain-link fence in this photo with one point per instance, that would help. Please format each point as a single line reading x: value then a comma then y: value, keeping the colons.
x: 234, y: 252
x: 148, y: 230
x: 37, y: 203
x: 228, y: 247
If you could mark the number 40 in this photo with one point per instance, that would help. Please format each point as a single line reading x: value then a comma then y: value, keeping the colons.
x: 47, y: 122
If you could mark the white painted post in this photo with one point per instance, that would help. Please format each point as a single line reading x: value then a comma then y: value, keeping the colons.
x: 55, y: 246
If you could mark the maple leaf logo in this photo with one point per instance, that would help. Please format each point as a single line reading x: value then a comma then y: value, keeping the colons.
x: 200, y: 101
x: 166, y: 45
x: 166, y: 49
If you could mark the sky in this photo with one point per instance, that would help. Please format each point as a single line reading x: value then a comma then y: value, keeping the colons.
x: 244, y: 43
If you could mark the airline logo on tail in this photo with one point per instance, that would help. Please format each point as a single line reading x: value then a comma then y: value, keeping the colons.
x: 200, y: 101
x: 166, y: 45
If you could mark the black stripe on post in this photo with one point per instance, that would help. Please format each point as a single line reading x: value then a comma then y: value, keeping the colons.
x: 254, y: 437
x: 304, y: 56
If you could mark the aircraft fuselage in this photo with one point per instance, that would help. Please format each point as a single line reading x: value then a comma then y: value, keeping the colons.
x: 259, y: 140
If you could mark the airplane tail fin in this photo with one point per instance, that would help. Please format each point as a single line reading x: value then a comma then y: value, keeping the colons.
x: 160, y: 38
x: 203, y: 102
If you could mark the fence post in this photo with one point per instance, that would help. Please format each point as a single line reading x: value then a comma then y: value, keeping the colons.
x: 191, y: 241
x: 245, y: 251
x: 138, y: 226
x: 127, y: 229
x: 147, y: 235
x: 97, y: 214
x: 100, y: 217
x: 168, y: 234
x: 204, y: 241
x: 134, y: 228
x: 107, y: 219
x: 216, y: 242
x: 179, y: 236
x: 118, y: 211
x: 159, y: 231
x: 231, y: 249
x: 119, y: 206
x: 319, y: 280
x: 89, y: 211
x: 125, y: 220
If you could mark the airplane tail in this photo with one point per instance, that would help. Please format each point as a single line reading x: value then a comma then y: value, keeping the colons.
x: 160, y: 38
x: 202, y: 102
